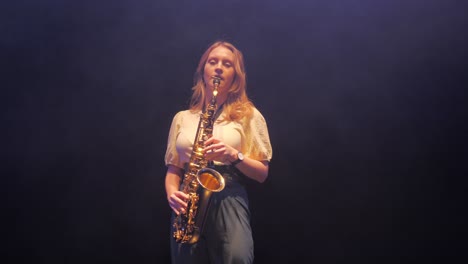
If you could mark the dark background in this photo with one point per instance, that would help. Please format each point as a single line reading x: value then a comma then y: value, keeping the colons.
x: 364, y: 102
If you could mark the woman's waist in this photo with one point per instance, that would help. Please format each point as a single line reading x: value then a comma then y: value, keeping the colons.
x: 231, y: 175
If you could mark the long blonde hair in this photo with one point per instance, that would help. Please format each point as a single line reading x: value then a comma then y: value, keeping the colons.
x: 237, y: 105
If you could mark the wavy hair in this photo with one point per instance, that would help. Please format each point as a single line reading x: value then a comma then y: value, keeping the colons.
x: 237, y: 105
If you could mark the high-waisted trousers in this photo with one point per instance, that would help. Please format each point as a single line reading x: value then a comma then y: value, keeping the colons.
x: 227, y: 234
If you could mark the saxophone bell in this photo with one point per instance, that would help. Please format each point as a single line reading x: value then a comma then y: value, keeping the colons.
x: 210, y: 179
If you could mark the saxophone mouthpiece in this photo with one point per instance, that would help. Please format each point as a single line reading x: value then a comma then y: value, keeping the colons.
x: 216, y: 80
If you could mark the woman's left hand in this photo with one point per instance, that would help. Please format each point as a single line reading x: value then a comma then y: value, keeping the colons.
x: 217, y: 150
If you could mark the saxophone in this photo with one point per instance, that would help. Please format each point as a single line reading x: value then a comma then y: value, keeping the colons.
x: 199, y: 181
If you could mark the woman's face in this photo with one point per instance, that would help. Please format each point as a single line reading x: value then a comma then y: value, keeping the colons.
x: 220, y: 63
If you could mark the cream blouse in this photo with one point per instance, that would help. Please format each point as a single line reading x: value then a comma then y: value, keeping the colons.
x: 248, y: 136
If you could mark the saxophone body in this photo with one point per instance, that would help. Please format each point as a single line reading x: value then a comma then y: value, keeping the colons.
x: 199, y: 180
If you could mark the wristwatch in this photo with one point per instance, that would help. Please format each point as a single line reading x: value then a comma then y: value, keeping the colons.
x: 240, y: 158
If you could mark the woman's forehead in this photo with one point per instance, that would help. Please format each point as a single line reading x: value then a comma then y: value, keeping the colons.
x: 221, y: 51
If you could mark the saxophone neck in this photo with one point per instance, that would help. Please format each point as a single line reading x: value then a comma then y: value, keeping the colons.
x: 216, y: 83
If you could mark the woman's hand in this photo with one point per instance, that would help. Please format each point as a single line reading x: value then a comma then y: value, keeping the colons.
x: 217, y: 150
x: 178, y: 202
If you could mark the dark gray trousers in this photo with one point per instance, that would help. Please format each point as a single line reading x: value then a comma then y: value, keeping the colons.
x: 227, y: 235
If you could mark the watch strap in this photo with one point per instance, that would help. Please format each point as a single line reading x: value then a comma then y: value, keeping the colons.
x: 238, y: 160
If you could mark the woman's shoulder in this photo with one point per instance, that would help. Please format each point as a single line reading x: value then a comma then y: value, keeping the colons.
x: 254, y: 119
x: 185, y: 115
x: 256, y: 111
x: 256, y: 114
x: 182, y: 112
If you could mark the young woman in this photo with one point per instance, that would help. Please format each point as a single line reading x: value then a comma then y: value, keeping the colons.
x: 239, y: 148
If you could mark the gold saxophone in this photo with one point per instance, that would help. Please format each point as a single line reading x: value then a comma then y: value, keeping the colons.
x: 199, y: 181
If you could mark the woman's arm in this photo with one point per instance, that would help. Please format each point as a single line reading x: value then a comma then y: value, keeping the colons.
x: 177, y: 199
x: 255, y: 169
x: 219, y: 151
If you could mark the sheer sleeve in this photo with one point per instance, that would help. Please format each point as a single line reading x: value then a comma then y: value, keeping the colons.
x: 172, y: 156
x: 258, y: 144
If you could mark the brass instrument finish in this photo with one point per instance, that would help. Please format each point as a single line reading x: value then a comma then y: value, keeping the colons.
x: 199, y: 181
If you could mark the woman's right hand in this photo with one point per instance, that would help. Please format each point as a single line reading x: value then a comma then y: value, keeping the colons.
x: 177, y: 199
x: 178, y: 202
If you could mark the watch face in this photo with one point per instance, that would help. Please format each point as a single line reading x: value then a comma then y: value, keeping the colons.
x: 240, y: 156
